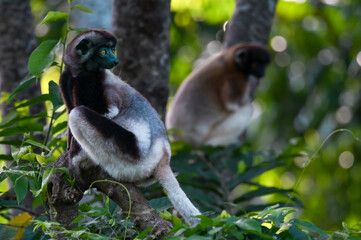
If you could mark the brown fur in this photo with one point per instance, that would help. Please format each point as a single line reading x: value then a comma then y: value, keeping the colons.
x: 204, y: 98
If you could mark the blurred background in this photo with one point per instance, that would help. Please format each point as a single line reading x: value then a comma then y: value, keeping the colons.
x: 311, y: 88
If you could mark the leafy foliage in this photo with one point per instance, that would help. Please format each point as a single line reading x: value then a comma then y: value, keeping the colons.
x: 223, y: 178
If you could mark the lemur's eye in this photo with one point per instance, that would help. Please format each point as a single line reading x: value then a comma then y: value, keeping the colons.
x: 103, y: 52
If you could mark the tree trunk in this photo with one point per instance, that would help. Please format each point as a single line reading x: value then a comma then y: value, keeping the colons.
x: 17, y: 41
x: 143, y: 49
x: 251, y: 22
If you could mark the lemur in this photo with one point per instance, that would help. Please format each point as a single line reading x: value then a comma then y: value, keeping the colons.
x: 112, y: 125
x: 213, y: 106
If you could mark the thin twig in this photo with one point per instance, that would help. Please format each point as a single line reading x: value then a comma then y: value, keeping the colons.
x: 23, y: 209
x: 11, y: 225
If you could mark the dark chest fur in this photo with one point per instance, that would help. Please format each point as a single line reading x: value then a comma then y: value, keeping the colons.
x: 88, y: 90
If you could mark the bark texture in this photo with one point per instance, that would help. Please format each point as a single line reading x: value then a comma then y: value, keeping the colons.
x: 64, y: 200
x: 143, y: 215
x: 17, y: 41
x: 251, y: 22
x: 143, y: 48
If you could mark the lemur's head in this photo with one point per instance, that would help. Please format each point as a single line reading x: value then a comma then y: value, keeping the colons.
x: 252, y: 59
x: 91, y: 51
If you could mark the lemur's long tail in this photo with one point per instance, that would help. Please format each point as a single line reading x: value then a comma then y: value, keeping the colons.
x: 179, y: 199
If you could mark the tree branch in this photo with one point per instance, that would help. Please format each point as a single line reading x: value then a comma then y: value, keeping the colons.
x: 64, y: 199
x: 251, y: 22
x: 143, y: 50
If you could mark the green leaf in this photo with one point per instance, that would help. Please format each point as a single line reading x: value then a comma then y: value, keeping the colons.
x: 19, y: 119
x: 58, y: 114
x: 11, y: 116
x: 236, y: 233
x: 31, y: 127
x: 78, y: 30
x: 20, y: 185
x: 353, y: 238
x: 166, y: 215
x: 53, y: 16
x: 8, y: 233
x: 21, y: 188
x: 7, y: 203
x: 42, y: 57
x: 214, y: 230
x: 143, y: 234
x: 59, y: 127
x: 205, y: 221
x: 41, y: 160
x: 249, y: 225
x: 82, y: 8
x: 297, y: 234
x: 198, y: 237
x: 253, y: 172
x: 242, y: 166
x: 29, y: 157
x: 64, y: 170
x: 11, y: 173
x: 55, y: 95
x: 37, y: 144
x: 36, y: 100
x: 261, y: 191
x: 46, y: 177
x: 276, y: 214
x: 176, y: 221
x: 24, y: 84
x: 84, y: 207
x: 160, y: 204
x: 16, y: 153
x: 308, y: 226
x: 76, y: 220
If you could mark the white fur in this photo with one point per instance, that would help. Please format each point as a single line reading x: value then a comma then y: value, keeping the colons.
x: 141, y: 131
x: 176, y: 195
x: 228, y: 131
x: 103, y: 152
x: 232, y: 106
x: 111, y: 79
x: 113, y: 111
x: 79, y: 158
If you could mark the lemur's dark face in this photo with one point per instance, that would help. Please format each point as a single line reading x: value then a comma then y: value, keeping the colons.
x: 99, y: 57
x: 105, y: 57
x: 252, y: 60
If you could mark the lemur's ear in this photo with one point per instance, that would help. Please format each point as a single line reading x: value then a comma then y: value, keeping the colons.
x: 83, y: 46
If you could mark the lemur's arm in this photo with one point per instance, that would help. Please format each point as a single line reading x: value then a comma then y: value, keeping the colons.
x: 66, y: 90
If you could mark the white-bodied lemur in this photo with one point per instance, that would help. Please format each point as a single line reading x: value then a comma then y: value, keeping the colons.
x: 111, y: 125
x: 213, y: 106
